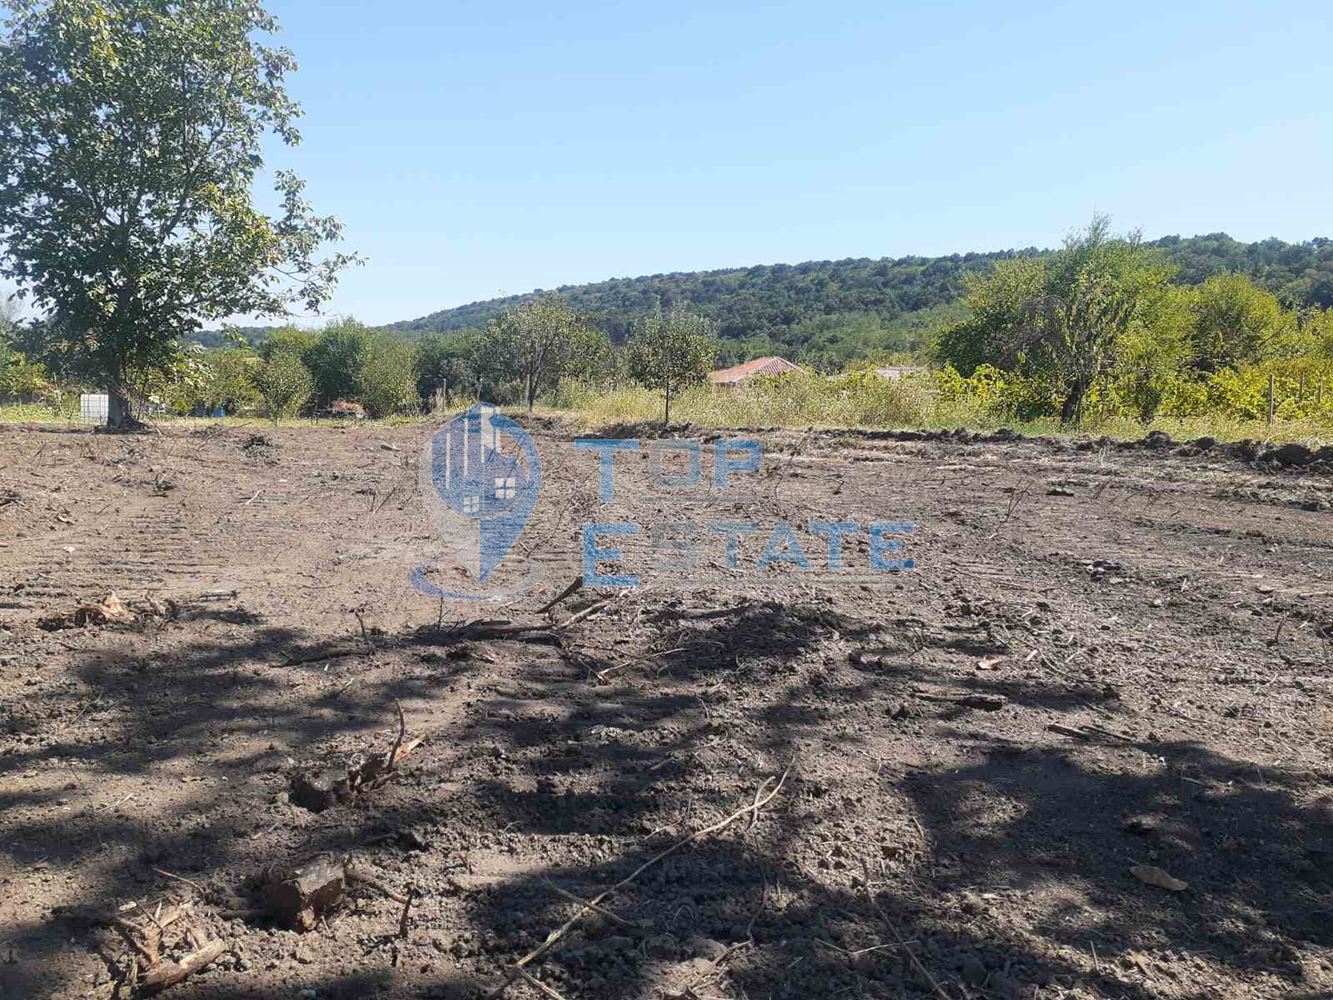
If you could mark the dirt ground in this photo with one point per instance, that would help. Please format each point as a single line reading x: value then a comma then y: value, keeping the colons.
x: 1105, y: 658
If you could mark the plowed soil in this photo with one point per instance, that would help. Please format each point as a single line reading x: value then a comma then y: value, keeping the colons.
x: 934, y: 836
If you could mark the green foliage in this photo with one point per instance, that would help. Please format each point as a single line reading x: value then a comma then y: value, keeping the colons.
x: 1303, y: 389
x: 538, y: 342
x: 1000, y: 327
x: 1236, y: 323
x: 1062, y: 319
x: 387, y: 377
x: 232, y: 376
x: 1299, y: 274
x: 829, y: 343
x: 444, y: 366
x: 762, y: 301
x: 292, y: 339
x: 131, y: 132
x: 765, y: 310
x: 989, y: 394
x: 592, y: 358
x: 670, y: 351
x: 284, y: 385
x: 335, y: 358
x: 9, y: 316
x: 21, y: 377
x: 348, y: 361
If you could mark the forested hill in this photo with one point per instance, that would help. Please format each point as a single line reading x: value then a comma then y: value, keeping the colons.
x: 844, y: 307
x: 774, y: 301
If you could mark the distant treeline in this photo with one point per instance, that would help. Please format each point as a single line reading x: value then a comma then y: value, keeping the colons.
x: 792, y: 308
x: 1106, y: 326
x: 826, y: 313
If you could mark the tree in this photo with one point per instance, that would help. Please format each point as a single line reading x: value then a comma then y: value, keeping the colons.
x: 335, y: 360
x: 284, y: 385
x: 21, y: 377
x: 292, y: 339
x: 130, y: 135
x: 1235, y: 322
x: 1061, y: 318
x: 443, y: 366
x: 232, y: 375
x: 540, y: 339
x: 387, y: 377
x: 1319, y: 330
x: 672, y: 350
x: 487, y: 355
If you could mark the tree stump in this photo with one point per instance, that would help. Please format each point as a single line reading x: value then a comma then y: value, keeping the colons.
x: 320, y: 790
x: 299, y: 896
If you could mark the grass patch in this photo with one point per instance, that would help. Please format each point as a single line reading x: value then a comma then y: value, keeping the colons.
x: 862, y: 404
x: 786, y: 402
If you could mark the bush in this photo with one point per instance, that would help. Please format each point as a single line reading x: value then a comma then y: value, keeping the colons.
x: 284, y: 384
x: 387, y: 377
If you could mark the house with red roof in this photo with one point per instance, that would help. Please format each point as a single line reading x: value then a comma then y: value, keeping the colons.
x: 730, y: 378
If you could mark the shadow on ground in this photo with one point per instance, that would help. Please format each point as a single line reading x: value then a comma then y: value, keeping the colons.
x: 1002, y: 875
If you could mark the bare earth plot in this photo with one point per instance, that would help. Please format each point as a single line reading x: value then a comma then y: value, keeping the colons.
x: 1106, y: 659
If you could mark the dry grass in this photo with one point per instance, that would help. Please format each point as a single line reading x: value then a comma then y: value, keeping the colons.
x: 816, y: 402
x: 788, y: 402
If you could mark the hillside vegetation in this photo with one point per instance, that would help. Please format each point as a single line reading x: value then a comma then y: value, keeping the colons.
x: 838, y: 310
x: 1205, y: 332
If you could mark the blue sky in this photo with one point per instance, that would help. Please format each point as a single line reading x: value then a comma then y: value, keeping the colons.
x: 475, y: 149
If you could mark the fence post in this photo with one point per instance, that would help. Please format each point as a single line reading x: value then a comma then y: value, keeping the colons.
x: 1272, y: 393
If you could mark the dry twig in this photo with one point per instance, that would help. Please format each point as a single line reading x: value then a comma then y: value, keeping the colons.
x: 518, y: 969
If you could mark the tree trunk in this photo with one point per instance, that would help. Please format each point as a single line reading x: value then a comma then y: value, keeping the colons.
x: 119, y: 414
x: 666, y: 417
x: 531, y: 391
x: 1071, y: 413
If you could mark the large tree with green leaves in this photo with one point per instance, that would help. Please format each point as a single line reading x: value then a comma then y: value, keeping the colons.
x: 1236, y: 322
x: 540, y: 340
x: 1061, y: 319
x: 671, y: 350
x: 130, y: 136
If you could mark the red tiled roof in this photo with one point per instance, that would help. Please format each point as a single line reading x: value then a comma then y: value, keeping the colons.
x: 759, y: 366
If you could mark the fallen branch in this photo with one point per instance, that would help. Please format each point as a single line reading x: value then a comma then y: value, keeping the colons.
x: 574, y: 619
x: 358, y: 877
x: 935, y: 987
x: 1088, y: 732
x: 334, y: 653
x: 599, y: 910
x: 402, y: 921
x: 170, y: 973
x: 574, y: 587
x: 502, y: 630
x: 518, y: 969
x: 539, y: 986
x: 147, y: 974
x: 705, y: 614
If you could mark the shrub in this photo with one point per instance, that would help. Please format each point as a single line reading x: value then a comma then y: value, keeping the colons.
x: 284, y: 384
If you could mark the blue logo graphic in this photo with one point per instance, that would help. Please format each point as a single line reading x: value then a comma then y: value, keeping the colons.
x: 480, y: 476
